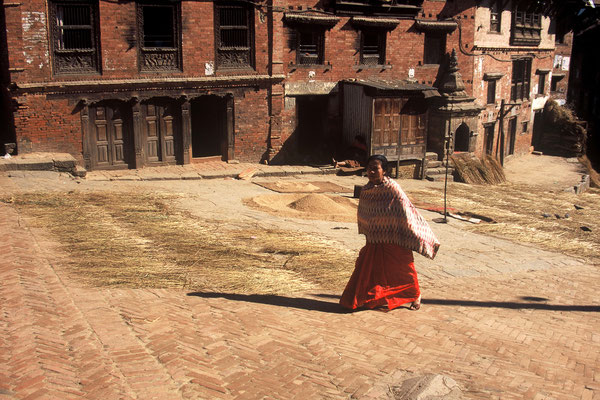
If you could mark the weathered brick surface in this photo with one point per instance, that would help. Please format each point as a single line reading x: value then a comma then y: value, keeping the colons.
x: 266, y: 117
x: 483, y: 322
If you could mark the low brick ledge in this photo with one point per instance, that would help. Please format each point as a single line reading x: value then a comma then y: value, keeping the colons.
x: 60, y: 162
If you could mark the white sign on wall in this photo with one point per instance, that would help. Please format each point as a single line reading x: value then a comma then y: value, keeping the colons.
x: 209, y: 68
x: 565, y: 63
x: 557, y: 61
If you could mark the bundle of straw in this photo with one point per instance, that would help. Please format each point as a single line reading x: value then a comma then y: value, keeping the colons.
x: 470, y: 169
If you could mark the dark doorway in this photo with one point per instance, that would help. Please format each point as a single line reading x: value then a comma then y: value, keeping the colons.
x: 312, y: 139
x: 461, y: 138
x: 488, y: 138
x: 512, y: 136
x: 537, y: 139
x: 209, y: 127
x: 110, y: 139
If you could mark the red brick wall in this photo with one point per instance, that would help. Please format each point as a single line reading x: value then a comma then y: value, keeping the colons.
x: 49, y: 126
x: 251, y: 125
x: 523, y: 111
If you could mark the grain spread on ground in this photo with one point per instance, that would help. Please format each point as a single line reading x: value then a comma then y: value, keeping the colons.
x: 307, y: 206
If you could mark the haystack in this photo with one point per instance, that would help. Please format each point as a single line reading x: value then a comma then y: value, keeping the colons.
x: 470, y: 169
x: 563, y: 134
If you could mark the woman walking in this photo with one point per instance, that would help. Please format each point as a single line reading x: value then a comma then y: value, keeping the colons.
x: 385, y: 272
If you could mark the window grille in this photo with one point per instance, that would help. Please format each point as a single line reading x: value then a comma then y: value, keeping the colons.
x: 74, y: 37
x: 521, y: 79
x: 234, y: 35
x: 495, y: 16
x: 310, y: 47
x: 526, y: 28
x: 435, y: 48
x: 159, y: 42
x: 372, y: 47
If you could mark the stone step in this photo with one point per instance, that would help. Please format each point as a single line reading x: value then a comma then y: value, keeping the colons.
x: 439, y: 178
x: 434, y: 164
x: 431, y: 156
x: 439, y: 171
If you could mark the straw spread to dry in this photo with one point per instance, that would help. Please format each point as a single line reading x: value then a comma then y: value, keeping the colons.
x: 139, y: 240
x: 142, y: 240
x: 555, y: 221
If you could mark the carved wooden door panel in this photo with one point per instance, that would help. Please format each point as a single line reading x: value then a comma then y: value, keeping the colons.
x: 111, y: 137
x: 160, y: 132
x: 386, y: 126
x: 413, y: 130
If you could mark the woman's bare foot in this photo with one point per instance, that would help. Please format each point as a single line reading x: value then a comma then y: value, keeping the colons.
x: 416, y: 304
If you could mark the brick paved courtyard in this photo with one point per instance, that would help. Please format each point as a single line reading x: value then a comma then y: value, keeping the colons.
x: 517, y: 323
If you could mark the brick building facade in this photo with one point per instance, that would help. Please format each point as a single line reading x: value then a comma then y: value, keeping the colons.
x: 134, y: 83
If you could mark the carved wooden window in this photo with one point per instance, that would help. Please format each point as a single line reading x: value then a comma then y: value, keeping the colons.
x: 75, y: 43
x: 234, y: 35
x: 495, y: 16
x: 435, y: 48
x: 310, y: 47
x: 372, y: 47
x: 526, y: 28
x: 158, y: 36
x: 521, y: 79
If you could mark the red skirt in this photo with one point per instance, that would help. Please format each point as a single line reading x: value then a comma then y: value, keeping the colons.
x: 384, y: 274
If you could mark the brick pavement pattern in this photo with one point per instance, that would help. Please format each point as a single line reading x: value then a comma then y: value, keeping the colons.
x: 518, y: 335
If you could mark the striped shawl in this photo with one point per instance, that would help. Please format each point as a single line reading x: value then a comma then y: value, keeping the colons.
x: 386, y: 215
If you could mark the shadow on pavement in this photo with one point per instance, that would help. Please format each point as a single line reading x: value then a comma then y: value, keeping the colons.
x: 513, y: 305
x: 275, y: 300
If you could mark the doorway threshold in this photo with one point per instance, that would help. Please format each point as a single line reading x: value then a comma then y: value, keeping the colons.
x: 200, y: 160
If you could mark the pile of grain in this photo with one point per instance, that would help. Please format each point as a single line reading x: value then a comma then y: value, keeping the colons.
x: 318, y: 204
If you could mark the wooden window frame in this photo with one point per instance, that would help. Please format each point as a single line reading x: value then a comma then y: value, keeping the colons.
x: 230, y: 56
x: 159, y: 58
x: 526, y: 28
x: 491, y: 91
x: 313, y: 53
x: 542, y: 83
x: 73, y: 60
x: 495, y: 16
x: 369, y: 54
x: 521, y: 79
x: 434, y: 55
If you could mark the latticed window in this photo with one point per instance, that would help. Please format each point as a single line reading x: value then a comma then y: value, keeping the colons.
x: 495, y: 16
x: 74, y: 37
x: 234, y: 35
x: 372, y: 47
x: 526, y: 28
x: 159, y: 43
x: 521, y: 79
x: 435, y: 48
x: 310, y: 47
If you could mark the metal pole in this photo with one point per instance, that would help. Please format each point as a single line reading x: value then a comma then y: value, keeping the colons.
x: 502, y: 133
x: 447, y: 137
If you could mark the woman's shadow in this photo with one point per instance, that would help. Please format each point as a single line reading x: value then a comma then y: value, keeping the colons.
x: 301, y: 303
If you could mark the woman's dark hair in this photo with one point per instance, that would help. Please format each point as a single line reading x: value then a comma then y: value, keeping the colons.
x: 381, y: 159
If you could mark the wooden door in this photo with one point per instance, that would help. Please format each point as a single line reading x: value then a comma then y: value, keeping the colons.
x: 386, y: 126
x: 413, y: 130
x: 161, y: 132
x: 110, y: 136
